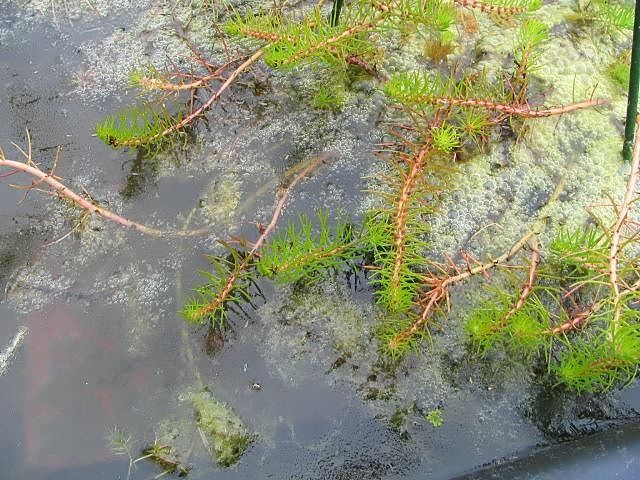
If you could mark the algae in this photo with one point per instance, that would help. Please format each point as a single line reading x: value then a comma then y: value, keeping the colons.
x: 224, y: 432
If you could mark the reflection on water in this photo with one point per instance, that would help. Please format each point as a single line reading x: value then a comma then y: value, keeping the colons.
x: 106, y: 350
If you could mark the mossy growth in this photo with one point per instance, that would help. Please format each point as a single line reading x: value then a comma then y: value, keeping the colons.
x: 226, y: 435
x: 165, y: 458
x: 328, y: 97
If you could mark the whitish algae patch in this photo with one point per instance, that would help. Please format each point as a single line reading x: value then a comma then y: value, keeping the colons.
x: 34, y: 287
x: 149, y: 42
x: 316, y: 325
x: 224, y: 432
x: 496, y: 197
x: 221, y: 199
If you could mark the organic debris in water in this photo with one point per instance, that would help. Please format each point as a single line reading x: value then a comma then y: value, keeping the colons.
x: 222, y: 432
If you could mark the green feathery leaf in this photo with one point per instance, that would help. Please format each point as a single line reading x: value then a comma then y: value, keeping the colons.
x: 301, y: 252
x: 228, y: 283
x: 136, y: 127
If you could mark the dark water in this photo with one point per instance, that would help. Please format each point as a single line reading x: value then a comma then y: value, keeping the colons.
x: 106, y: 347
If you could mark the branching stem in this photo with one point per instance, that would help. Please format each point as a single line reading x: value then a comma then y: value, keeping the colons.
x: 440, y: 285
x: 520, y: 111
x: 247, y: 261
x: 488, y: 8
x: 617, y: 234
x: 62, y: 191
x: 402, y: 210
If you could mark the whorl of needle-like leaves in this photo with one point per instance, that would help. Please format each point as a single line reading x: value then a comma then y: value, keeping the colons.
x: 524, y: 331
x: 395, y: 234
x: 502, y: 7
x: 227, y: 283
x: 529, y: 49
x: 611, y: 15
x: 305, y: 250
x: 600, y: 364
x: 142, y: 126
x: 575, y: 308
x: 311, y: 38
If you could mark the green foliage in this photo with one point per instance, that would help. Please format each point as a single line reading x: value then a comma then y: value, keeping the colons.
x: 435, y: 418
x: 328, y: 97
x: 495, y: 325
x: 531, y: 38
x: 312, y: 38
x: 619, y: 73
x: 226, y: 436
x: 581, y: 253
x: 136, y: 127
x: 301, y: 252
x: 615, y: 14
x: 396, y: 279
x: 388, y: 330
x: 603, y: 362
x: 227, y: 283
x: 611, y: 15
x: 445, y: 138
x: 164, y: 457
x: 597, y: 339
x: 421, y: 90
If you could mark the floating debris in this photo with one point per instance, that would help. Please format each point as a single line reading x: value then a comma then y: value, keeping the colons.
x: 222, y: 432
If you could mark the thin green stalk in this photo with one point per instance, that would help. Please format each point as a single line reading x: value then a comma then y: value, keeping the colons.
x: 335, y: 12
x: 634, y: 82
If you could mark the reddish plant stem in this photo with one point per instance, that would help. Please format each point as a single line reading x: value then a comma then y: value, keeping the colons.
x: 520, y: 111
x: 440, y: 284
x: 246, y: 262
x: 488, y: 8
x: 216, y: 95
x: 363, y: 27
x: 577, y: 320
x: 416, y: 167
x: 616, y: 236
x: 159, y: 84
x: 62, y: 191
x: 434, y: 297
x: 528, y: 287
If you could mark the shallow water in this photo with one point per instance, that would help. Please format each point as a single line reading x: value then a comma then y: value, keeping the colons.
x: 106, y: 347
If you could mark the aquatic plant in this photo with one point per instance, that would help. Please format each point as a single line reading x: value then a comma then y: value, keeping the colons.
x: 60, y: 190
x: 299, y: 252
x: 577, y: 309
x: 439, y: 113
x: 227, y: 283
x: 226, y: 436
x: 163, y: 456
x: 151, y: 125
x: 435, y: 418
x: 121, y: 443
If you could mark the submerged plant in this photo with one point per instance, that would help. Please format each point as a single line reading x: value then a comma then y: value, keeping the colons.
x: 225, y: 436
x: 439, y: 113
x: 585, y: 303
x: 299, y: 252
x: 136, y: 126
x: 435, y: 418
